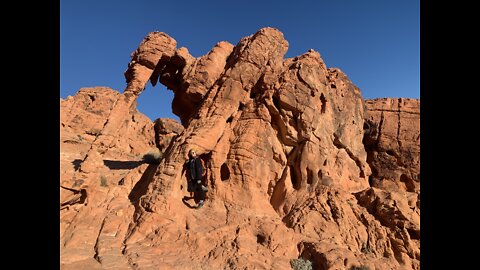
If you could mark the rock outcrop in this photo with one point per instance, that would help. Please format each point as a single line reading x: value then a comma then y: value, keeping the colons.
x: 392, y: 140
x: 166, y: 129
x: 289, y: 168
x: 82, y: 119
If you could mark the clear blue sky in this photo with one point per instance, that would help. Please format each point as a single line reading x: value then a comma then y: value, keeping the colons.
x: 375, y: 42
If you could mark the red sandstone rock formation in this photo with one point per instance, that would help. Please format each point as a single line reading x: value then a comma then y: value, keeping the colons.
x: 287, y: 169
x: 82, y: 119
x: 393, y: 142
x: 165, y: 130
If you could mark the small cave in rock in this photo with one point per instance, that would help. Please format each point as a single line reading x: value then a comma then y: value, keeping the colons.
x: 390, y: 153
x: 230, y: 119
x: 324, y: 103
x: 224, y: 172
x: 261, y: 239
x: 320, y: 174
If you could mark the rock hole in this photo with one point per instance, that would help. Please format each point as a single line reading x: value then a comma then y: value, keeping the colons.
x: 408, y: 182
x: 324, y: 103
x: 230, y: 119
x: 390, y: 153
x: 260, y: 239
x: 325, y: 163
x: 320, y: 174
x: 253, y: 94
x: 241, y: 106
x: 224, y: 172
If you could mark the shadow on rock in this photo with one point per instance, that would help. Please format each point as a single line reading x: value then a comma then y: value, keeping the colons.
x: 185, y: 200
x: 122, y: 165
x: 141, y: 186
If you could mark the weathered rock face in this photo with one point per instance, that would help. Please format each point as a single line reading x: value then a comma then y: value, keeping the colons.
x: 82, y: 118
x: 286, y: 168
x: 86, y: 112
x: 85, y: 199
x: 392, y: 140
x: 166, y: 129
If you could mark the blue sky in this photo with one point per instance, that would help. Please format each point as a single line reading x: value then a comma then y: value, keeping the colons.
x: 375, y: 42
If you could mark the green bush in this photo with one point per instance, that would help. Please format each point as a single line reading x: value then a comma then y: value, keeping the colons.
x: 301, y: 264
x: 152, y: 157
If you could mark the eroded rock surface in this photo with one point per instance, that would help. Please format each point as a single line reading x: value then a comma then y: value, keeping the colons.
x: 287, y: 168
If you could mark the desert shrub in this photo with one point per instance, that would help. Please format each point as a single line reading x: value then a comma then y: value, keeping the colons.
x: 103, y: 181
x: 301, y: 264
x: 152, y: 157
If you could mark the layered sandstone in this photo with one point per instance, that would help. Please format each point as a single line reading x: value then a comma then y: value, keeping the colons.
x: 392, y: 140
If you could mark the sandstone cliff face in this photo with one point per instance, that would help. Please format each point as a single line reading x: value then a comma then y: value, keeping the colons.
x: 287, y: 168
x: 393, y: 142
